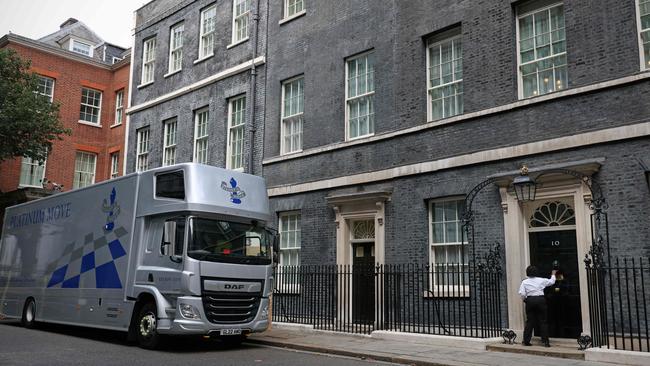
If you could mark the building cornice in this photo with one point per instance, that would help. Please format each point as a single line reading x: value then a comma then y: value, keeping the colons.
x: 638, y: 130
x: 198, y: 85
x: 27, y: 42
x: 461, y: 118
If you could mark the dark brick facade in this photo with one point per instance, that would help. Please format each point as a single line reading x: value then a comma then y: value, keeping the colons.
x: 155, y: 20
x: 606, y: 90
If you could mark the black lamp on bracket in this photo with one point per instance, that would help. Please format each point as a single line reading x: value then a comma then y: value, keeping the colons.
x: 525, y: 186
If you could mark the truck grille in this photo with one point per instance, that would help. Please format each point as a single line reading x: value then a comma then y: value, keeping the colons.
x: 230, y: 308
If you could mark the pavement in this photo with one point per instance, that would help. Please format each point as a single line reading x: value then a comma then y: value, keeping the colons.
x: 423, y: 351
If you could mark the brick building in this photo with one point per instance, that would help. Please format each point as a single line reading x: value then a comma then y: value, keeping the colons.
x: 89, y: 78
x: 378, y: 118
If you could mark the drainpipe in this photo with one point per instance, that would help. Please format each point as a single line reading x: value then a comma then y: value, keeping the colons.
x: 253, y: 88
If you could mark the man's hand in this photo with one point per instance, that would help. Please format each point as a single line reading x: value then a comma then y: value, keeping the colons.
x: 553, y: 272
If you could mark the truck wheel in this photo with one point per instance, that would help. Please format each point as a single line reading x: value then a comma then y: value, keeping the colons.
x: 146, y: 323
x: 29, y: 314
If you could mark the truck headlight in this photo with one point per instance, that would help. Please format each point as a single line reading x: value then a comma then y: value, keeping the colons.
x: 264, y: 313
x: 189, y: 311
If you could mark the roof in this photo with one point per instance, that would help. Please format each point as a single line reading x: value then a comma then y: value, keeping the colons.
x: 72, y: 28
x: 58, y: 51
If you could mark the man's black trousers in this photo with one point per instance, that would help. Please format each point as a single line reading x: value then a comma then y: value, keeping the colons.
x: 536, y: 318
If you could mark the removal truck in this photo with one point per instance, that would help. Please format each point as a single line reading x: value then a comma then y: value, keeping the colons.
x: 179, y: 250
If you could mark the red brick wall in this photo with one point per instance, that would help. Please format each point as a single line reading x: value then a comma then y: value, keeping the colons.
x: 69, y: 77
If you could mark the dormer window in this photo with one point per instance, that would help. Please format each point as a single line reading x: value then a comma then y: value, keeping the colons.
x: 81, y: 47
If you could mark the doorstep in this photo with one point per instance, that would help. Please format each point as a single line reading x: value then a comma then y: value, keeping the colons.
x: 556, y: 350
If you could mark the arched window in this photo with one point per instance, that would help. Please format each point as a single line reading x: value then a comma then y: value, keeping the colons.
x: 552, y: 213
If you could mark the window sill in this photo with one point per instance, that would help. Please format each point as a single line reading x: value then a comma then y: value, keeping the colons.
x: 291, y: 152
x: 198, y: 61
x: 295, y: 16
x: 97, y: 125
x: 444, y: 292
x: 443, y: 118
x: 29, y: 186
x: 115, y: 125
x: 240, y: 170
x: 360, y: 137
x: 236, y: 43
x: 288, y: 290
x: 172, y: 73
x: 522, y: 98
x: 144, y: 85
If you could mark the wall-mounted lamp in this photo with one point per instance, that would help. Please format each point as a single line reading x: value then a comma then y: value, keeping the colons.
x: 525, y: 186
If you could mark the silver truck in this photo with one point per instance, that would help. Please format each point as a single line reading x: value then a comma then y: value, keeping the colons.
x: 180, y: 250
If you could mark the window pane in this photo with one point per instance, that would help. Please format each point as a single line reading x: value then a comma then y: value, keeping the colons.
x: 542, y: 43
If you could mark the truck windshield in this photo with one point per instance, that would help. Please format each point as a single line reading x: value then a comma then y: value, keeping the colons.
x: 230, y: 242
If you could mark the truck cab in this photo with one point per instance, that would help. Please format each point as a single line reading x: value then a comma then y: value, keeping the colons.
x: 204, y: 263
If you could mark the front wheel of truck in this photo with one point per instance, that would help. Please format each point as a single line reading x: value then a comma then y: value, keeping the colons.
x: 29, y: 314
x: 146, y: 327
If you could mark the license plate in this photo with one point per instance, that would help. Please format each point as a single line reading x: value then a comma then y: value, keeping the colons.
x: 230, y: 331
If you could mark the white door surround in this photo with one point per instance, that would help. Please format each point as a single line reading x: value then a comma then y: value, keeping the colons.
x: 348, y: 209
x: 555, y: 187
x: 358, y: 206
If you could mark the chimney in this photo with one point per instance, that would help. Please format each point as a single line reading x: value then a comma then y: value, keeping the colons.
x: 68, y: 22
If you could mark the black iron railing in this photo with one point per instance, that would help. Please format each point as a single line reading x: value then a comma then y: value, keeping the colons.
x: 447, y: 300
x: 619, y: 303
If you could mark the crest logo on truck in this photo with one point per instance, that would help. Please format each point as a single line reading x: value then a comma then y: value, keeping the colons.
x: 236, y: 193
x: 112, y: 209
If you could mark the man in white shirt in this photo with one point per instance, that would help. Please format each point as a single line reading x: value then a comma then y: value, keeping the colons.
x: 532, y: 292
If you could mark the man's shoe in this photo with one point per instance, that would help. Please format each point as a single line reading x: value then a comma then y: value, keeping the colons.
x: 546, y: 344
x: 527, y: 344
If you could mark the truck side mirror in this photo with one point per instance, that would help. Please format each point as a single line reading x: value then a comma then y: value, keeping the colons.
x: 276, y: 247
x: 172, y: 240
x: 164, y: 248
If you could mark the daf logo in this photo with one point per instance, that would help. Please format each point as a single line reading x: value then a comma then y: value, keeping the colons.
x: 230, y: 286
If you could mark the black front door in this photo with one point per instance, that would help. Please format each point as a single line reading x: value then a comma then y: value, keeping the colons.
x: 558, y: 250
x: 363, y: 283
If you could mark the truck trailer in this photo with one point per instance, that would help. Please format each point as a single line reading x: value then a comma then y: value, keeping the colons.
x: 179, y: 250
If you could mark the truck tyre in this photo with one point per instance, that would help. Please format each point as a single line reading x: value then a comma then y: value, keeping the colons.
x: 29, y: 314
x: 146, y: 323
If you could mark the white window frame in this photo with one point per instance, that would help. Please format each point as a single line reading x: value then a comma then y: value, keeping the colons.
x: 367, y: 94
x: 90, y: 47
x: 142, y: 149
x: 116, y: 60
x: 244, y: 16
x: 33, y: 167
x: 47, y: 81
x: 91, y: 106
x: 292, y: 124
x: 233, y: 130
x: 176, y: 48
x: 79, y: 173
x: 148, y: 61
x: 286, y: 14
x: 115, y: 165
x: 204, y: 36
x: 119, y: 107
x: 201, y: 122
x: 520, y: 80
x: 645, y: 64
x: 443, y: 289
x: 292, y: 285
x: 170, y: 138
x: 439, y: 42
